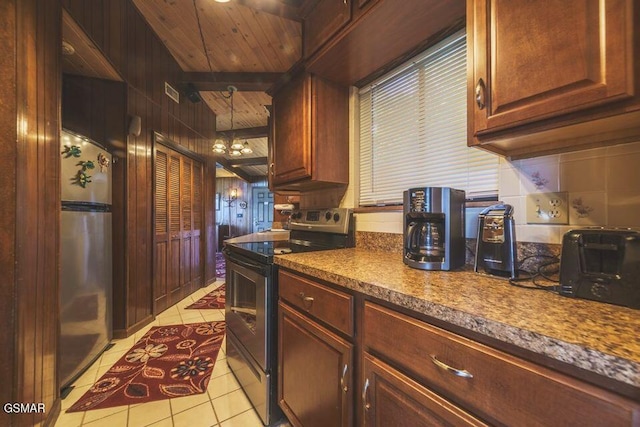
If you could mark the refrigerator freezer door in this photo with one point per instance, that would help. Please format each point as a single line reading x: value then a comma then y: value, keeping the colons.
x: 78, y: 152
x: 85, y: 290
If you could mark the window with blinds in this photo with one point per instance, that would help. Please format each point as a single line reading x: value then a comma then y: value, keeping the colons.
x: 413, y: 130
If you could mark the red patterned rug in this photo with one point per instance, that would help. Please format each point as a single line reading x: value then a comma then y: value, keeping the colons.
x: 167, y: 362
x: 220, y: 265
x: 214, y: 299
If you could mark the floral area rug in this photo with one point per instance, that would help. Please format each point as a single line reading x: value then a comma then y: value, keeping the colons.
x: 214, y: 299
x: 167, y: 362
x: 220, y: 265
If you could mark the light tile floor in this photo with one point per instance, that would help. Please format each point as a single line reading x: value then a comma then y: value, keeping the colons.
x: 224, y: 404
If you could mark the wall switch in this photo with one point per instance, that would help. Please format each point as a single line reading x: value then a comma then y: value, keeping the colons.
x: 547, y: 208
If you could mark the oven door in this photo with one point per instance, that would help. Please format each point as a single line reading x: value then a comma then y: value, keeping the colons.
x: 246, y: 304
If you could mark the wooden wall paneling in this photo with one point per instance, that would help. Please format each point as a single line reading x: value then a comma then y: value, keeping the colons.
x: 228, y: 213
x: 116, y: 123
x: 144, y: 212
x: 29, y: 234
x: 210, y: 219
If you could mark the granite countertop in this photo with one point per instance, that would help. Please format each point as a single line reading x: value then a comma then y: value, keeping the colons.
x: 597, y: 337
x: 263, y: 236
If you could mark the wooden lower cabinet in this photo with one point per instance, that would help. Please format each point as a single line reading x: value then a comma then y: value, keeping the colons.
x: 408, y: 372
x: 391, y: 398
x: 315, y: 371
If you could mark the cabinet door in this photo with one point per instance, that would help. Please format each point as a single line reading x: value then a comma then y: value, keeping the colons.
x: 359, y: 7
x: 315, y: 372
x: 389, y: 396
x: 326, y: 19
x: 532, y: 61
x: 291, y: 147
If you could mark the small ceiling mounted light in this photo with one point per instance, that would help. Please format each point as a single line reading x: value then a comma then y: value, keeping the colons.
x: 222, y: 1
x: 246, y: 149
x: 67, y: 48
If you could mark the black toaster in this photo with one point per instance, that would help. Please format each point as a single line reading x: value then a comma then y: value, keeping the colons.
x: 601, y: 264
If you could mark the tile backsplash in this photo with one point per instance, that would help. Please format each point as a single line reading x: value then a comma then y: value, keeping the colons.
x: 603, y: 187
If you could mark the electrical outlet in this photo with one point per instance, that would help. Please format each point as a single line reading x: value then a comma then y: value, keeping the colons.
x: 547, y: 208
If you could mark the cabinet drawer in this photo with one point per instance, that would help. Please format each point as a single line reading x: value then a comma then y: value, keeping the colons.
x: 389, y: 396
x: 498, y: 387
x: 333, y: 307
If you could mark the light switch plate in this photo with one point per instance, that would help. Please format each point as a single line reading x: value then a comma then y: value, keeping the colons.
x: 547, y: 208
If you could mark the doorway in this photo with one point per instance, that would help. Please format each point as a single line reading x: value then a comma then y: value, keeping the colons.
x: 262, y: 208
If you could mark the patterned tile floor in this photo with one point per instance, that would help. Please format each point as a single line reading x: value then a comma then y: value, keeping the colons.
x: 224, y: 404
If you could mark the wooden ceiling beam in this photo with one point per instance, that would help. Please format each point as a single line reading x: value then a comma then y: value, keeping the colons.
x: 241, y: 174
x: 281, y: 8
x: 220, y: 81
x: 247, y: 133
x: 249, y: 161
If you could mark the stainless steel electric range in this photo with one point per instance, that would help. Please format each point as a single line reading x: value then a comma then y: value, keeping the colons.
x: 251, y: 299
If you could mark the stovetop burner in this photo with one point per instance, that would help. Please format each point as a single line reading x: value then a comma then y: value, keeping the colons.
x: 266, y: 250
x: 310, y: 231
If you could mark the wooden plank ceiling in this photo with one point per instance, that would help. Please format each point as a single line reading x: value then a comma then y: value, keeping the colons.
x: 243, y: 38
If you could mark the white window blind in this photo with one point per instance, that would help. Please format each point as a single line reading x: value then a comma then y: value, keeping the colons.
x: 413, y: 130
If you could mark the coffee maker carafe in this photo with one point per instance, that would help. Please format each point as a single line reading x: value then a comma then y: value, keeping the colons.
x: 434, y: 228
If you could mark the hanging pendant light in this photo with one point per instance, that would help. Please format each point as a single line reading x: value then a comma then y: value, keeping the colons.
x: 221, y: 146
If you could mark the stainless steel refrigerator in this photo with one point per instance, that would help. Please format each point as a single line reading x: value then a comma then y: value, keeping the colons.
x: 85, y: 255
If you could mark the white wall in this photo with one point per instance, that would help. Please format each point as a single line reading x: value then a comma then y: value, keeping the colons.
x: 603, y: 186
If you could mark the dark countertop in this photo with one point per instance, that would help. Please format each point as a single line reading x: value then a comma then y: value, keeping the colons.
x: 597, y: 337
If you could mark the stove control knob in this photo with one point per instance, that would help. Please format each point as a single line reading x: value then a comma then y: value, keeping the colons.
x: 336, y: 217
x: 328, y: 215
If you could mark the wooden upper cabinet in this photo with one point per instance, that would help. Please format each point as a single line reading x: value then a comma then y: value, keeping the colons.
x: 309, y: 135
x: 531, y: 63
x: 358, y: 7
x: 323, y: 21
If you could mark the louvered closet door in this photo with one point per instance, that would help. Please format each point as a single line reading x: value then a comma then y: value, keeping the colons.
x: 197, y: 213
x: 175, y: 235
x: 186, y: 255
x: 178, y: 213
x: 160, y: 279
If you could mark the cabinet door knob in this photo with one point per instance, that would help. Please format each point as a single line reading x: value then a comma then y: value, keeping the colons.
x: 480, y: 94
x: 458, y: 372
x: 365, y: 403
x: 343, y: 383
x: 271, y: 168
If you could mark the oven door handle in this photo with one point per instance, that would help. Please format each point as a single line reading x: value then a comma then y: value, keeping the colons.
x: 250, y: 265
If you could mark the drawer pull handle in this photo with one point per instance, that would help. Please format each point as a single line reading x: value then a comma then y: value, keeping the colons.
x: 343, y: 384
x: 308, y: 301
x: 459, y: 372
x: 365, y: 403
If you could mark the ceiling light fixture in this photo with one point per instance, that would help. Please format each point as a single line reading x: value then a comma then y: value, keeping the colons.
x: 222, y: 1
x: 228, y: 143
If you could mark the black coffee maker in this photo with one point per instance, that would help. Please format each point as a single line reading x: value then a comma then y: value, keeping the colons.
x: 434, y: 228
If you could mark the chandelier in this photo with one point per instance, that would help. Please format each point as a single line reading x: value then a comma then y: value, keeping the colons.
x: 229, y: 144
